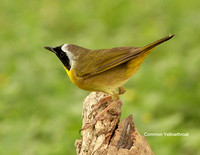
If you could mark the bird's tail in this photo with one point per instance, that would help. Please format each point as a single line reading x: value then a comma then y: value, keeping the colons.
x: 149, y: 47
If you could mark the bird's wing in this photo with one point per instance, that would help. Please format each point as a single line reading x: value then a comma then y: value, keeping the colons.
x: 102, y: 60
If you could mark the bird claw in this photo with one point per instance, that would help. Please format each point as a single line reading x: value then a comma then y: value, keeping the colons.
x: 96, y: 107
x: 87, y: 125
x: 93, y: 122
x: 101, y: 101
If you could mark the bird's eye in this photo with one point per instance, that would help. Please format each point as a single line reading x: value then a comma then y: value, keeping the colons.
x: 62, y: 54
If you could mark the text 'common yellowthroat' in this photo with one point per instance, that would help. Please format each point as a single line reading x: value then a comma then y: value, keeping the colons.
x: 104, y: 70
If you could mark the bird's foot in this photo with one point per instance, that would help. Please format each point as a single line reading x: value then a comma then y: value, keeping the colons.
x: 99, y: 116
x: 87, y: 125
x: 122, y: 90
x: 103, y: 100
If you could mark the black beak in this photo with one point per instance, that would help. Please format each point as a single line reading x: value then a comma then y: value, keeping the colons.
x: 50, y: 49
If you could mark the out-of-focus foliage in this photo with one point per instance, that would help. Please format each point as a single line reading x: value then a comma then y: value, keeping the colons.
x: 40, y: 109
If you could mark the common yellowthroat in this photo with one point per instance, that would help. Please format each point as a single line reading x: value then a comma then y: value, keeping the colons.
x: 103, y: 70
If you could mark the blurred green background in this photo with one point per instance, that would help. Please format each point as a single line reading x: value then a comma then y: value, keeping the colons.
x: 40, y: 109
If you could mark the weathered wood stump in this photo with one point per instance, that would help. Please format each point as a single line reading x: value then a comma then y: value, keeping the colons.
x: 109, y: 136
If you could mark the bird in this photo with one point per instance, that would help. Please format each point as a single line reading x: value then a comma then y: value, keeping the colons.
x: 103, y: 70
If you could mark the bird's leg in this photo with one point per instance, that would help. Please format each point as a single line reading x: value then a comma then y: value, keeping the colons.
x: 93, y: 122
x: 103, y: 100
x: 122, y: 90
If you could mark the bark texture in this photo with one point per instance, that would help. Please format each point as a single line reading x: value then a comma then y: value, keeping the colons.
x: 109, y: 136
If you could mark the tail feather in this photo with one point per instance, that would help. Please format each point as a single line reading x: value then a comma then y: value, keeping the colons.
x: 156, y: 43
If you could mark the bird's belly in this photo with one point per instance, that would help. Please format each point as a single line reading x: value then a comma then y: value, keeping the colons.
x: 107, y: 81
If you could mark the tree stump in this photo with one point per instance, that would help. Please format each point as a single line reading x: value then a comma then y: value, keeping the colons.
x: 109, y: 136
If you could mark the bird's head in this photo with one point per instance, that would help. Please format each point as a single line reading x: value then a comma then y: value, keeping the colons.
x: 67, y: 53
